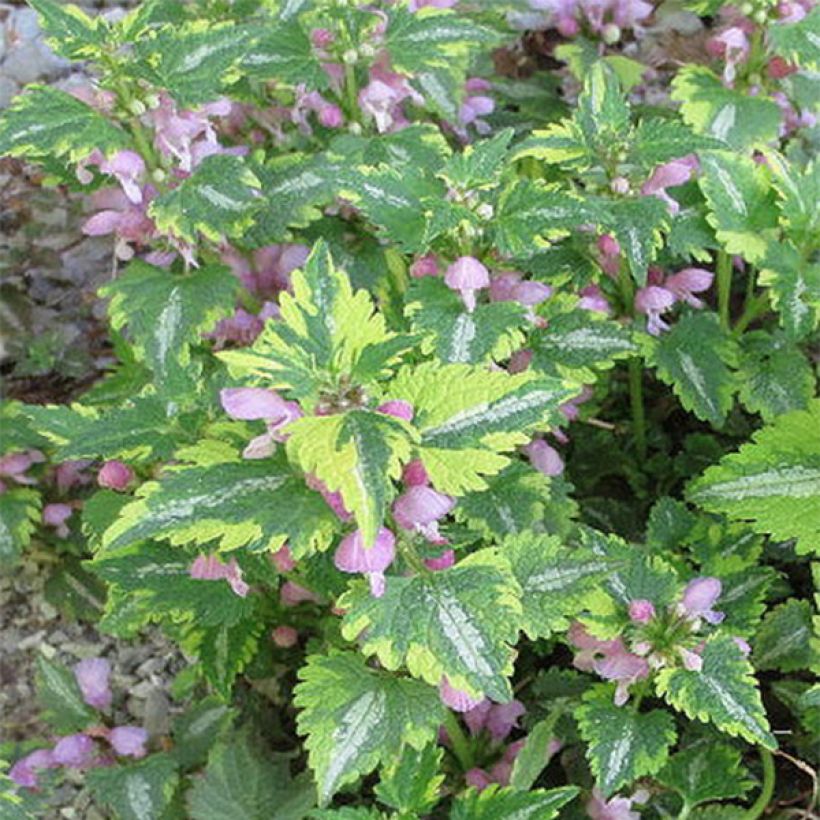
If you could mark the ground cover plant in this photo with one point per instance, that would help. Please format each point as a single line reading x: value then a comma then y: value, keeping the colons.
x: 463, y: 431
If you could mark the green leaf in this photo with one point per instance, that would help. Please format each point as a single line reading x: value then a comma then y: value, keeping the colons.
x: 729, y: 115
x: 60, y: 697
x: 218, y: 200
x: 723, y: 692
x: 536, y: 753
x: 603, y: 113
x: 773, y: 482
x: 193, y: 63
x: 46, y: 123
x: 165, y: 314
x: 496, y: 803
x: 794, y: 287
x: 797, y: 194
x: 225, y: 650
x: 412, y: 784
x: 244, y: 781
x: 706, y: 771
x: 197, y: 730
x: 660, y: 139
x: 798, y: 42
x: 357, y: 718
x: 774, y: 375
x: 622, y: 744
x: 577, y: 344
x: 455, y: 335
x: 460, y: 622
x: 480, y: 164
x: 741, y: 202
x: 356, y: 453
x: 559, y: 144
x: 327, y: 331
x: 694, y: 358
x: 284, y: 52
x: 138, y: 791
x: 256, y: 504
x: 554, y: 580
x: 69, y: 31
x: 786, y: 639
x: 468, y: 417
x: 19, y: 516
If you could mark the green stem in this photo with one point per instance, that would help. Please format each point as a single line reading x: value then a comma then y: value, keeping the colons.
x: 461, y: 746
x: 766, y: 790
x: 724, y: 286
x: 635, y: 366
x: 351, y: 92
x: 755, y: 307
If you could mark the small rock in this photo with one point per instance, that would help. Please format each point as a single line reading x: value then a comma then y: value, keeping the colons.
x: 8, y: 91
x: 156, y: 719
x: 32, y: 640
x: 142, y: 689
x: 135, y: 707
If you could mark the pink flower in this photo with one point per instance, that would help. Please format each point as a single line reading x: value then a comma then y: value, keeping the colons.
x: 455, y: 699
x: 467, y: 275
x: 92, y: 676
x: 592, y: 298
x: 14, y: 466
x: 475, y: 106
x: 502, y: 718
x: 292, y: 594
x: 127, y: 167
x: 381, y: 99
x: 509, y: 287
x: 670, y: 175
x: 252, y: 403
x: 426, y: 265
x: 444, y: 561
x: 211, y: 568
x: 285, y: 637
x: 691, y: 660
x: 397, y: 408
x: 420, y: 508
x: 352, y: 556
x: 56, y: 515
x: 698, y: 598
x: 128, y: 741
x: 74, y: 751
x: 732, y: 45
x: 129, y: 222
x: 641, y: 611
x: 241, y: 329
x: 414, y: 474
x: 654, y: 301
x: 544, y: 458
x: 24, y: 771
x: 115, y: 475
x: 283, y: 560
x: 617, y: 808
x: 477, y: 778
x: 684, y: 284
x: 70, y: 473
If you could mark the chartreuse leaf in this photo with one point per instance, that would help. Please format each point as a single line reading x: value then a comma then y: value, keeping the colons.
x: 741, y: 202
x: 559, y: 144
x: 70, y: 32
x: 326, y: 331
x: 19, y: 516
x: 578, y: 343
x: 468, y: 417
x: 60, y: 697
x: 137, y: 791
x: 603, y: 111
x: 46, y: 122
x: 706, y: 771
x: 727, y: 114
x: 140, y: 429
x: 695, y: 357
x: 192, y: 62
x: 455, y: 335
x: 554, y: 579
x: 245, y: 781
x: 257, y: 504
x: 356, y: 453
x: 224, y: 650
x: 773, y: 482
x: 412, y: 783
x: 356, y: 718
x: 724, y: 692
x: 460, y: 622
x: 798, y: 42
x: 622, y: 744
x: 496, y: 803
x: 284, y: 52
x: 786, y: 639
x: 218, y: 200
x: 165, y: 313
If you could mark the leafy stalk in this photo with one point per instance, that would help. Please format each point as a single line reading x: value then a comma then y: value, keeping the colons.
x: 767, y: 789
x: 635, y: 368
x: 724, y: 285
x: 461, y: 745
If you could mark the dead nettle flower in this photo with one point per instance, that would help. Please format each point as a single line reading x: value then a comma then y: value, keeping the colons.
x: 128, y: 221
x: 92, y: 676
x: 327, y: 113
x: 352, y: 556
x: 593, y: 299
x: 332, y: 499
x: 211, y: 568
x: 15, y: 466
x: 456, y: 699
x: 382, y: 99
x: 443, y: 561
x: 397, y: 408
x: 426, y: 265
x: 128, y: 741
x: 257, y: 403
x: 670, y: 175
x: 653, y: 301
x: 698, y: 598
x: 114, y: 475
x: 69, y: 474
x: 497, y: 719
x: 56, y: 515
x: 686, y: 283
x: 641, y: 611
x: 544, y: 458
x: 420, y: 508
x: 467, y: 275
x: 415, y: 5
x: 242, y: 328
x: 24, y: 771
x: 616, y: 808
x: 476, y: 105
x: 283, y: 560
x: 732, y: 46
x: 293, y: 594
x: 511, y: 287
x: 285, y: 636
x: 414, y: 474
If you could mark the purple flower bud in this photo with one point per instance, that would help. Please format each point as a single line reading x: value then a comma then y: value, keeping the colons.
x: 252, y: 403
x: 292, y: 594
x: 641, y: 611
x: 331, y: 116
x: 397, y: 408
x: 743, y: 646
x: 283, y: 560
x: 467, y: 275
x: 426, y: 265
x: 444, y: 561
x: 456, y: 699
x: 74, y: 751
x: 115, y: 476
x: 414, y: 474
x: 352, y: 556
x: 698, y: 598
x: 92, y: 676
x: 128, y: 741
x: 321, y: 37
x: 544, y: 458
x: 477, y: 778
x: 691, y: 660
x: 476, y: 718
x: 592, y: 298
x: 285, y: 637
x: 55, y: 515
x: 608, y: 245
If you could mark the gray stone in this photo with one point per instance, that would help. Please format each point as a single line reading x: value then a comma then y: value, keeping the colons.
x: 8, y: 90
x: 156, y: 719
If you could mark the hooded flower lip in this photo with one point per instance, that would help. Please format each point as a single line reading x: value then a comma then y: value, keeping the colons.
x: 75, y: 751
x: 698, y: 598
x: 352, y: 556
x: 92, y: 676
x: 419, y: 509
x: 456, y: 699
x: 128, y: 741
x: 56, y: 515
x: 397, y: 408
x: 211, y: 568
x: 252, y: 403
x: 685, y: 283
x: 653, y: 301
x: 24, y: 771
x: 544, y: 458
x: 467, y: 275
x: 670, y: 175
